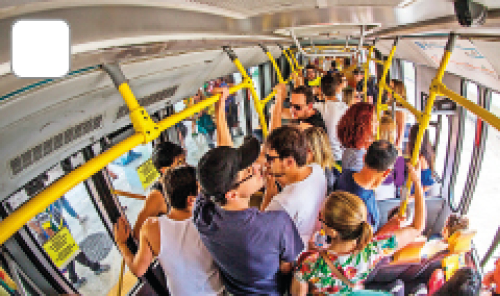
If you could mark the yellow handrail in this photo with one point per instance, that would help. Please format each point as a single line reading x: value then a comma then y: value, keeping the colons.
x: 382, y: 83
x: 403, y: 102
x: 120, y: 281
x: 426, y: 116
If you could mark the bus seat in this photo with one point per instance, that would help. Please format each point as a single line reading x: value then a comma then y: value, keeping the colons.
x: 461, y: 241
x: 434, y: 191
x: 434, y: 205
x: 385, y: 272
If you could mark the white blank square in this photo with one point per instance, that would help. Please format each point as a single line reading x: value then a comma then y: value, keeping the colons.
x: 40, y: 48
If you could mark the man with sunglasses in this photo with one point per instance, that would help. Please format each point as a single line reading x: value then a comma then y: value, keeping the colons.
x: 378, y: 163
x: 253, y: 249
x: 304, y: 186
x: 301, y: 107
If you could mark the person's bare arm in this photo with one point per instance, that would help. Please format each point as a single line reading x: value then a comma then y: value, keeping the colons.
x: 223, y: 133
x: 271, y: 191
x: 278, y: 106
x: 400, y: 124
x: 298, y: 288
x: 408, y: 234
x: 138, y: 263
x: 153, y: 206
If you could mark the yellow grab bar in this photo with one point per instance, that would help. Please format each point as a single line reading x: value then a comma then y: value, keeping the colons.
x: 382, y: 83
x: 403, y: 102
x: 426, y: 116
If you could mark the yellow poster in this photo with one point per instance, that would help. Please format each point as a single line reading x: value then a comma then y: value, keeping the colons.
x: 61, y: 247
x: 147, y: 173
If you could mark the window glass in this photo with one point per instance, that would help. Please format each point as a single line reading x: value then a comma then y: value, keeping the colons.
x: 467, y: 145
x: 483, y: 211
x: 254, y: 74
x: 409, y: 81
x: 71, y: 233
x: 442, y: 145
x: 133, y: 172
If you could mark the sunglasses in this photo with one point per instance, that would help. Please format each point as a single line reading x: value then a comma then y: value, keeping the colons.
x: 296, y: 107
x: 270, y: 158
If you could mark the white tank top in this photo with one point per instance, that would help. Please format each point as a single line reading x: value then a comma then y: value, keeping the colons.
x: 188, y: 266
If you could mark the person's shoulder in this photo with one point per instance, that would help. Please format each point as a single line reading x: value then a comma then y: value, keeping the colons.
x: 151, y: 226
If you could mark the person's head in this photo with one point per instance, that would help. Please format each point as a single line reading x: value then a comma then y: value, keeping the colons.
x: 358, y: 74
x: 342, y: 79
x: 310, y: 72
x: 344, y: 219
x: 399, y: 88
x: 180, y: 187
x: 301, y: 102
x: 319, y: 147
x: 465, y: 282
x: 227, y: 174
x: 333, y: 65
x: 453, y: 224
x: 168, y: 155
x: 329, y: 84
x: 379, y: 159
x: 426, y: 150
x: 286, y: 151
x: 387, y: 129
x: 357, y: 126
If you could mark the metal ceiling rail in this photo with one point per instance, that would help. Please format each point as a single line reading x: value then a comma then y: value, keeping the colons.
x: 145, y: 131
x: 322, y: 54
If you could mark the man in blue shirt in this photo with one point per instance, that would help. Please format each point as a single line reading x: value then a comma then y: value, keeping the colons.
x: 253, y: 249
x: 378, y: 163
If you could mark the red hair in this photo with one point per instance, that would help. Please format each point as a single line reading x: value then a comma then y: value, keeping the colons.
x: 355, y: 127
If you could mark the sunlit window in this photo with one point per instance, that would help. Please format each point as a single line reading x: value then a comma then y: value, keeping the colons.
x: 468, y: 138
x: 409, y: 81
x: 483, y: 211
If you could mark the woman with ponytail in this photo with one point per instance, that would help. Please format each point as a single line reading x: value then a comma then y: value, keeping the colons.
x: 351, y: 251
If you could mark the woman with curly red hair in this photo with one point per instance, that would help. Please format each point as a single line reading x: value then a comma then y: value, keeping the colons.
x: 356, y: 130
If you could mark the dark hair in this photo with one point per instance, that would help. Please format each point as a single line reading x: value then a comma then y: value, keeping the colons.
x: 179, y: 183
x: 329, y: 83
x: 355, y: 127
x: 465, y: 282
x: 311, y: 67
x: 426, y: 149
x: 289, y: 141
x: 334, y: 64
x: 164, y: 154
x: 381, y: 155
x: 455, y: 223
x: 306, y: 91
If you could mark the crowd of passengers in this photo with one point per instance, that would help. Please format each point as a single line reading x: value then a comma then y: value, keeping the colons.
x: 317, y: 230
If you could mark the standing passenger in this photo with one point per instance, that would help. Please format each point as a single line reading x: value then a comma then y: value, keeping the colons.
x: 378, y: 163
x: 425, y: 159
x: 304, y: 186
x: 301, y: 107
x: 173, y: 239
x: 356, y: 130
x: 253, y: 249
x: 332, y: 110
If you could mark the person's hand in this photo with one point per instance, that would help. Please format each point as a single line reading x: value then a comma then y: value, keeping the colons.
x: 414, y: 172
x: 121, y: 230
x: 224, y: 93
x: 280, y: 92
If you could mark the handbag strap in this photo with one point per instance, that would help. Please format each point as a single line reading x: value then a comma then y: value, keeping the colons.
x: 338, y: 274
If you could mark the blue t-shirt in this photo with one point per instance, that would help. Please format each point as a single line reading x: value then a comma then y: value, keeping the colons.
x: 426, y: 179
x: 346, y: 183
x: 247, y: 245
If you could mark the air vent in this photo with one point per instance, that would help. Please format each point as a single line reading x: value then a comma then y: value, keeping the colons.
x: 33, y: 155
x: 149, y: 100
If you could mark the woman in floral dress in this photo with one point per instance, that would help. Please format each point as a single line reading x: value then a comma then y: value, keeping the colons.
x: 352, y: 249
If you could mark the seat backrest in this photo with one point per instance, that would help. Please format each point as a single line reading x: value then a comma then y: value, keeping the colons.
x: 461, y: 241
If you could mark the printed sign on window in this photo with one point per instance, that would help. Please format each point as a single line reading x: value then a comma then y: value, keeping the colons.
x: 147, y: 173
x: 61, y: 247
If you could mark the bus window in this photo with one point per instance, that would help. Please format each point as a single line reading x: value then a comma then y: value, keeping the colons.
x: 133, y: 172
x: 409, y: 81
x: 483, y: 211
x: 71, y: 233
x: 469, y: 132
x: 442, y: 144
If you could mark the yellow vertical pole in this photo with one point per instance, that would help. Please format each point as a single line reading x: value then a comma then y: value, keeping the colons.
x: 297, y: 67
x: 273, y: 61
x: 259, y: 107
x: 382, y: 83
x: 426, y: 116
x: 367, y: 69
x: 292, y: 66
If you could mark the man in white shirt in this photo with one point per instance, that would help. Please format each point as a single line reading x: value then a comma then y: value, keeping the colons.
x: 304, y: 186
x: 332, y: 110
x: 174, y: 240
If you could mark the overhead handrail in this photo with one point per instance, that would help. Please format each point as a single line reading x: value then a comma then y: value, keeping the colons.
x: 302, y: 51
x: 145, y: 131
x: 273, y: 62
x: 285, y: 53
x: 128, y: 194
x: 382, y: 83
